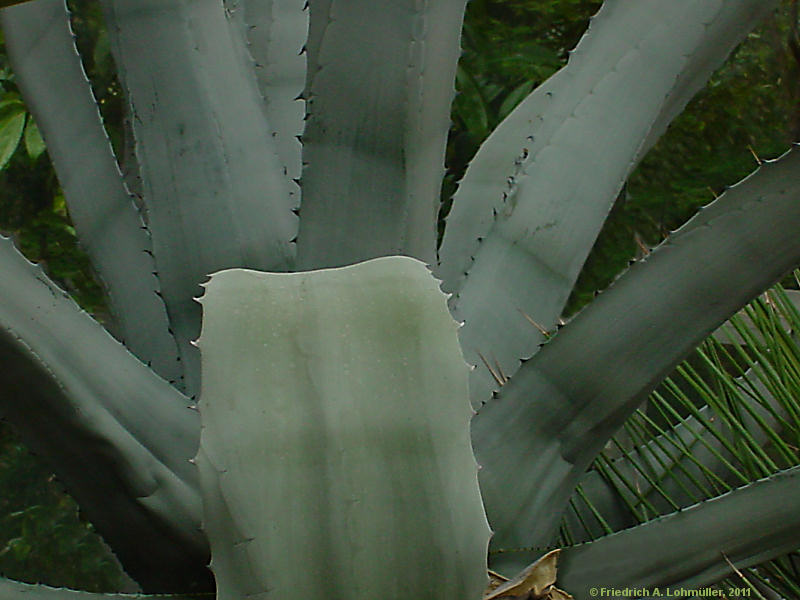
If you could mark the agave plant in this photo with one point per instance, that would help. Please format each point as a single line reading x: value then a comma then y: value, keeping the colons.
x: 295, y: 151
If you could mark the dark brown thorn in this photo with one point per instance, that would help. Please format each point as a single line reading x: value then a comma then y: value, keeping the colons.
x: 530, y: 320
x: 497, y: 378
x: 753, y: 152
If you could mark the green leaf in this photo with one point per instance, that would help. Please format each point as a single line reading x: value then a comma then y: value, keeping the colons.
x: 470, y: 105
x: 535, y: 196
x: 601, y: 366
x: 101, y: 55
x: 34, y: 144
x: 335, y: 458
x: 513, y: 98
x: 12, y: 124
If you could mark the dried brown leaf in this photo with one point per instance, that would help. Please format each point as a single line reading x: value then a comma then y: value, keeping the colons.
x: 535, y: 582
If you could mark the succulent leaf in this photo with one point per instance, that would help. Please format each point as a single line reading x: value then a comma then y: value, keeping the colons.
x: 273, y: 35
x: 374, y: 166
x: 319, y: 19
x: 48, y: 70
x: 690, y: 548
x: 13, y: 590
x: 551, y: 420
x: 118, y: 436
x: 335, y: 437
x: 213, y: 184
x: 674, y: 462
x: 534, y: 198
x: 336, y: 457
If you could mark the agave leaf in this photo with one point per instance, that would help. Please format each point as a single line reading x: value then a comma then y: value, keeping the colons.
x: 117, y: 435
x: 375, y: 165
x: 335, y: 459
x: 212, y: 181
x: 712, y: 447
x: 681, y: 459
x: 537, y: 193
x: 686, y: 549
x: 692, y: 548
x: 716, y: 446
x: 48, y: 70
x: 319, y: 19
x: 670, y: 469
x: 13, y: 590
x: 274, y: 32
x: 552, y: 419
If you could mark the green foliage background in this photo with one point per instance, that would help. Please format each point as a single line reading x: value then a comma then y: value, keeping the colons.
x: 748, y: 112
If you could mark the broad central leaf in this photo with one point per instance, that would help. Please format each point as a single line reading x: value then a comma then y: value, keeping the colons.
x: 335, y: 452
